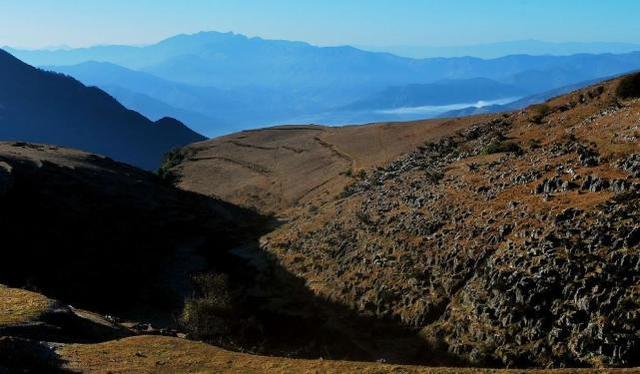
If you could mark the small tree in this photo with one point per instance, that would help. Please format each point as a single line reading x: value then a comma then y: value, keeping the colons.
x: 629, y: 87
x: 206, y: 315
x: 538, y: 112
x: 171, y: 159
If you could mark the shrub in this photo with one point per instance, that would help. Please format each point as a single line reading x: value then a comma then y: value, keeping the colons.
x: 170, y: 160
x: 502, y: 147
x: 206, y: 315
x: 629, y: 87
x: 534, y: 143
x: 538, y: 112
x: 347, y: 191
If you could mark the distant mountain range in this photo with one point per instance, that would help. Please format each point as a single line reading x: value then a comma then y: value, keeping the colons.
x: 224, y: 82
x: 44, y: 107
x: 206, y: 109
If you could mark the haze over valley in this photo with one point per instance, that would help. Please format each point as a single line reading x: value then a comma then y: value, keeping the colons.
x: 218, y: 83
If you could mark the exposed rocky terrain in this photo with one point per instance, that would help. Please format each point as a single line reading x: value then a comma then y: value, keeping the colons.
x: 514, y: 242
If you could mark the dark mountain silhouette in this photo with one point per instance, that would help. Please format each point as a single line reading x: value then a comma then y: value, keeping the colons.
x: 39, y: 106
x: 155, y: 109
x: 209, y: 110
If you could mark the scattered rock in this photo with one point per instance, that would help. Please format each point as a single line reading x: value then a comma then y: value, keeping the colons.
x: 6, y: 178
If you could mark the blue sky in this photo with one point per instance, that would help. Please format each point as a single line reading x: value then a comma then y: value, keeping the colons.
x: 38, y: 23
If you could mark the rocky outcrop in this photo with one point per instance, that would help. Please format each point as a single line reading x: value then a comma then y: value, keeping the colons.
x: 566, y: 295
x: 6, y: 179
x: 631, y: 165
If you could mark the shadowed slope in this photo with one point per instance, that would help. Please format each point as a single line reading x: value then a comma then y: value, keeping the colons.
x: 96, y: 232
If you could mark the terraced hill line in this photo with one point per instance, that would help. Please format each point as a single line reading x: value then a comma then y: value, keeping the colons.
x: 311, y: 172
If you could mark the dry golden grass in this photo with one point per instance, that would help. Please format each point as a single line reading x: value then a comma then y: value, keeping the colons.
x: 147, y: 354
x: 276, y: 169
x: 19, y: 306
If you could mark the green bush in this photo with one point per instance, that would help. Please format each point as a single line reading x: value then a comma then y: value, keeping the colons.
x: 534, y: 143
x: 170, y: 160
x: 538, y: 112
x: 502, y: 147
x: 206, y: 315
x: 629, y: 87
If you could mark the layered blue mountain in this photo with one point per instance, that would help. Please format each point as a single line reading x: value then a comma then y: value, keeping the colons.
x: 44, y: 107
x: 225, y: 82
x: 208, y: 110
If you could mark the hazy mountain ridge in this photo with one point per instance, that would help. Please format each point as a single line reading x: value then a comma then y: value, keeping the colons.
x: 239, y: 82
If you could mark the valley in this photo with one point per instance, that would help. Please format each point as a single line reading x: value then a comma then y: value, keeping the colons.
x: 503, y: 240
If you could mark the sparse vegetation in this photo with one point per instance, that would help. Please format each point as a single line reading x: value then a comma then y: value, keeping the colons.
x: 539, y: 112
x: 629, y: 87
